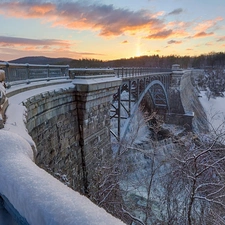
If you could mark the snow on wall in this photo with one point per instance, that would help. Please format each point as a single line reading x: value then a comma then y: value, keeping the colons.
x: 36, y: 195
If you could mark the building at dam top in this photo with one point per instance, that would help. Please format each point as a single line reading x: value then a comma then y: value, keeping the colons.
x: 62, y: 126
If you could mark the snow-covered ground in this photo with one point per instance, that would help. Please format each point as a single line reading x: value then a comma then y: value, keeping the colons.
x: 215, y: 111
x: 36, y: 195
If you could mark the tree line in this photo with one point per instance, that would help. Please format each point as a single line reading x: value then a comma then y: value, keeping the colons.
x: 210, y: 60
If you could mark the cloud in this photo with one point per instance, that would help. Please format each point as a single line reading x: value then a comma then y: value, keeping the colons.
x: 158, y: 14
x: 208, y: 24
x: 175, y: 12
x: 221, y: 39
x: 106, y: 19
x: 12, y: 41
x: 14, y: 47
x: 174, y: 42
x: 203, y: 34
x: 160, y: 35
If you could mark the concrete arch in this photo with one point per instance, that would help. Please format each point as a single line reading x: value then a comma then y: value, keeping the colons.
x: 135, y: 107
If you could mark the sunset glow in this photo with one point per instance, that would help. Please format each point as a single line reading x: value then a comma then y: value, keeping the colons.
x: 105, y: 30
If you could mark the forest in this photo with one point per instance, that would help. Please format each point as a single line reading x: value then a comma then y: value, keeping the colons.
x: 210, y: 60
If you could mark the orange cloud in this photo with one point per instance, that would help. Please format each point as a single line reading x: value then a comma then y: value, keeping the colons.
x: 161, y: 13
x: 106, y: 19
x: 203, y: 34
x: 179, y: 28
x: 24, y: 9
x: 202, y: 27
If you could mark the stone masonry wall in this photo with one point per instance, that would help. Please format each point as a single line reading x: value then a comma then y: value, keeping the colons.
x: 71, y: 129
x: 52, y: 123
x: 94, y: 120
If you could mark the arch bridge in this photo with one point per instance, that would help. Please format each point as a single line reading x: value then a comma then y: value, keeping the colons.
x: 136, y: 83
x: 69, y: 123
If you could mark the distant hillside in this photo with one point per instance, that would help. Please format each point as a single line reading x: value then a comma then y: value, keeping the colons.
x: 42, y: 60
x: 211, y: 60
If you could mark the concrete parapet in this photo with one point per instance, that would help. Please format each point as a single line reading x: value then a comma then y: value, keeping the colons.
x: 2, y: 75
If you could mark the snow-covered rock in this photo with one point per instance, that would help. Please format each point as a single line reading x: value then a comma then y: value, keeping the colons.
x: 39, y: 197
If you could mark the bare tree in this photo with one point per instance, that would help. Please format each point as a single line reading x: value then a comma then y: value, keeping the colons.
x: 200, y: 166
x: 167, y: 179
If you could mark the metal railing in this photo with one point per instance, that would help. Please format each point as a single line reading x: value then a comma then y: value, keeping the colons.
x: 137, y: 71
x: 26, y: 73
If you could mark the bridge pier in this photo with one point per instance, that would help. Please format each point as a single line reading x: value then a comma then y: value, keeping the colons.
x: 177, y: 113
x: 174, y: 93
x: 93, y: 93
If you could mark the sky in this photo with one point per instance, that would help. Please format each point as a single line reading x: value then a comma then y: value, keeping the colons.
x: 110, y: 29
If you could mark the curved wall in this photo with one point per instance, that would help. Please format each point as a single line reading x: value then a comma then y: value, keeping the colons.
x: 71, y: 129
x: 52, y: 124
